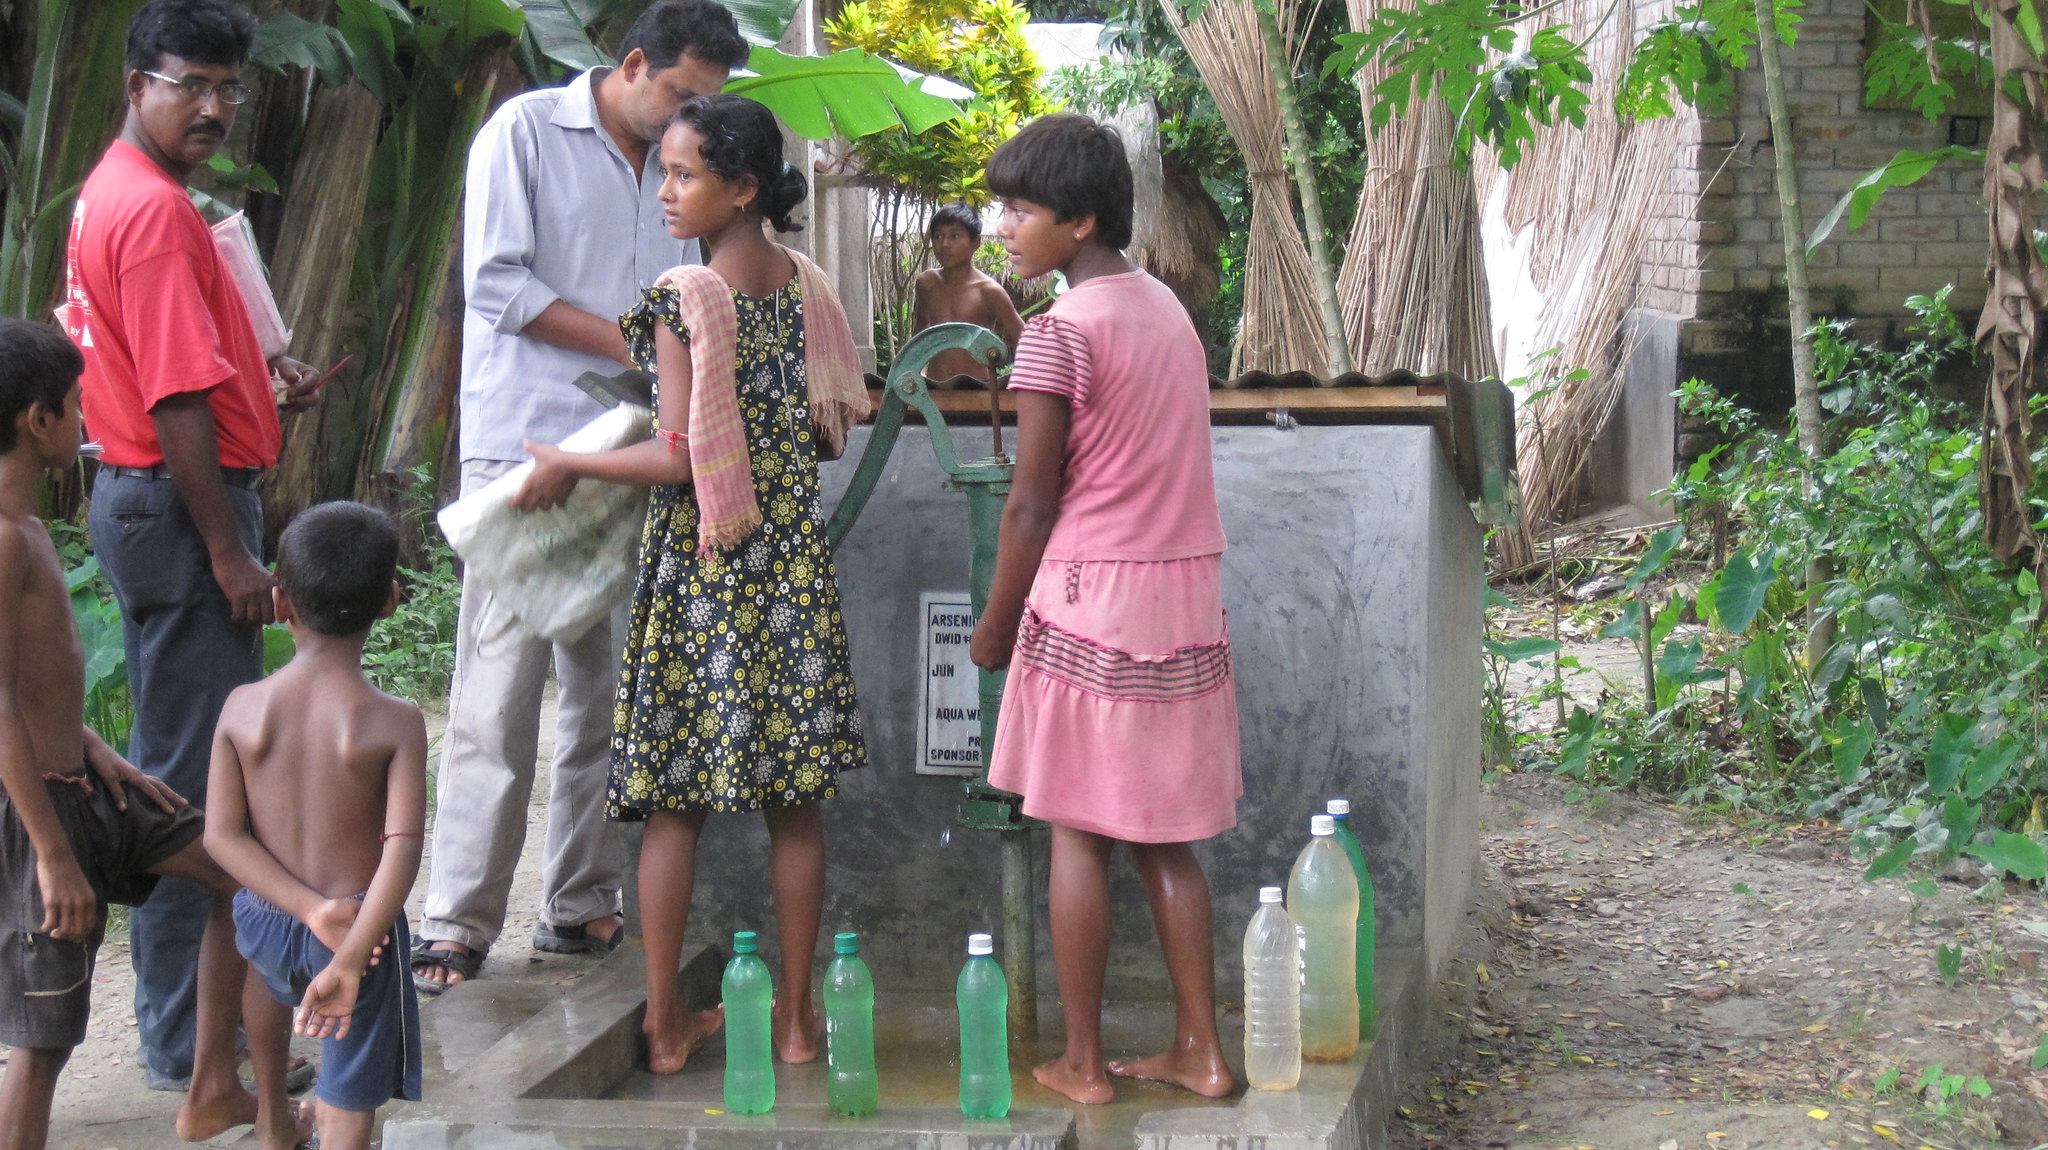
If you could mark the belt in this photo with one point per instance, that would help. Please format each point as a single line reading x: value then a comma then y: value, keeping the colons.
x: 245, y: 478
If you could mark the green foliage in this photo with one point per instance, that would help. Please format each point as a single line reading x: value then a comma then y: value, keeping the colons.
x: 978, y: 43
x: 1921, y: 728
x: 1904, y: 169
x: 1469, y: 53
x: 412, y: 654
x: 108, y: 710
x: 1895, y: 65
x: 848, y: 93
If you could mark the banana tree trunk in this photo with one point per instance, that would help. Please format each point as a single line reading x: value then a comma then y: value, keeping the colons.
x: 74, y: 101
x: 417, y: 400
x: 323, y: 215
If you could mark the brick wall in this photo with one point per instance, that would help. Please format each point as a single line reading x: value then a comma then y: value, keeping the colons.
x: 1917, y: 239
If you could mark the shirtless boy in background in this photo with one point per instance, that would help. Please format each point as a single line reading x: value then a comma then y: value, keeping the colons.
x: 317, y: 803
x: 958, y: 292
x: 73, y: 839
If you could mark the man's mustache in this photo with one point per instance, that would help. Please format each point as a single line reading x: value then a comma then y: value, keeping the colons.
x: 208, y: 128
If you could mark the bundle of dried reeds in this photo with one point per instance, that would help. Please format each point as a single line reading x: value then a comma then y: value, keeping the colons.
x: 1282, y: 329
x: 1413, y: 285
x: 1597, y: 197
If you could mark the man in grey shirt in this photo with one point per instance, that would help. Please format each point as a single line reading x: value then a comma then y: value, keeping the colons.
x: 561, y: 234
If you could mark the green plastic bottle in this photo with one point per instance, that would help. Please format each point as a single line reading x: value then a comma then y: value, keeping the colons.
x: 1340, y: 809
x: 850, y: 1086
x: 749, y: 1051
x: 984, y: 999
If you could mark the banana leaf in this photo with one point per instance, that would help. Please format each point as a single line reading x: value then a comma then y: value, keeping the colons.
x: 848, y: 93
x: 763, y: 21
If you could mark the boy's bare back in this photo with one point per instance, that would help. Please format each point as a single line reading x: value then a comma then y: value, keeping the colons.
x: 328, y: 763
x: 42, y: 668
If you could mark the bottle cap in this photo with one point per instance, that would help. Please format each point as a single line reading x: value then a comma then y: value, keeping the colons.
x: 1340, y: 808
x: 1322, y: 825
x: 846, y: 942
x: 1270, y: 894
x: 743, y: 942
x: 981, y: 944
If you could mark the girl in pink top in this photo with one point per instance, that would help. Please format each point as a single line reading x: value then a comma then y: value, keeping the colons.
x: 1119, y: 721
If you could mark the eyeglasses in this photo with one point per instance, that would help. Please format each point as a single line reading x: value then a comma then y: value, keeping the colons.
x: 193, y: 89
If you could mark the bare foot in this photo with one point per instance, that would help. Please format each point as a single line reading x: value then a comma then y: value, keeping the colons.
x: 205, y: 1115
x: 1206, y: 1076
x: 668, y: 1047
x: 1089, y: 1089
x: 798, y: 1039
x: 429, y: 972
x: 294, y: 1131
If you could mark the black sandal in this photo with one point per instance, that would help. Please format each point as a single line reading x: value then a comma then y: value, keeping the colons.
x: 430, y: 956
x: 551, y: 939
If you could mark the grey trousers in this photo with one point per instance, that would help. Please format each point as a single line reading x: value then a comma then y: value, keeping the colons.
x: 185, y: 653
x: 487, y: 766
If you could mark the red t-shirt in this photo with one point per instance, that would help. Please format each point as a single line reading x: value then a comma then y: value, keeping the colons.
x: 157, y: 314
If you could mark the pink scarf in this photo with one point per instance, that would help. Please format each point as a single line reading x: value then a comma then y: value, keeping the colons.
x: 722, y: 472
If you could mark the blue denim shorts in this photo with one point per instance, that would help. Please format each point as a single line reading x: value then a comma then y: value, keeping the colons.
x: 380, y: 1058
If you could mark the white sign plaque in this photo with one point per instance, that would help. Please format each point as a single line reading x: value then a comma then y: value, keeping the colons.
x: 948, y: 696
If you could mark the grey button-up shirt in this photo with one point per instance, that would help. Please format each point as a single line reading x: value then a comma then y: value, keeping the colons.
x: 552, y: 210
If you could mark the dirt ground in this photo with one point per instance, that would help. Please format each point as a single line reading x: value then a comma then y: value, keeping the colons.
x: 1644, y: 980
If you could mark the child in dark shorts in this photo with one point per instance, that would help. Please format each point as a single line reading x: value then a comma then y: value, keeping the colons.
x: 317, y: 803
x: 79, y: 826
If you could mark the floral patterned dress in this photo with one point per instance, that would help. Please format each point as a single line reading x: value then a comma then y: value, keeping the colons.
x: 735, y: 690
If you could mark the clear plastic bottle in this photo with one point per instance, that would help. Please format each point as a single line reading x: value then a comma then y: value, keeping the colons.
x: 1272, y: 996
x: 984, y: 1000
x: 1340, y: 810
x: 1322, y: 895
x: 749, y: 1051
x: 850, y: 1086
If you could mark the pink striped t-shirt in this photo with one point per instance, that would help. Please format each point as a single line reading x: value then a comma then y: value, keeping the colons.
x: 1138, y: 482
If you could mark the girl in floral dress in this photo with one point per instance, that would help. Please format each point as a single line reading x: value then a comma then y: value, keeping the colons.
x: 735, y: 691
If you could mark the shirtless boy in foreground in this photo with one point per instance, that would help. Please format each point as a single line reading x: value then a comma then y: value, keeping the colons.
x: 958, y: 292
x: 317, y: 802
x: 71, y: 839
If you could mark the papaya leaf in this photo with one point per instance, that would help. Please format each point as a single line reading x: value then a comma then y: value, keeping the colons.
x: 1908, y: 167
x: 2016, y: 854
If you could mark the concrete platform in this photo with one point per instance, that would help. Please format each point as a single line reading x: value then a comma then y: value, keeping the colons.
x: 517, y: 1067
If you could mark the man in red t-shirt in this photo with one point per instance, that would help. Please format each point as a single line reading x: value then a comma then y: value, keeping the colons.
x: 180, y: 396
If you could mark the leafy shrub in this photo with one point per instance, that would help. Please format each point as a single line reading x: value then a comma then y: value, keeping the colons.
x: 1917, y: 718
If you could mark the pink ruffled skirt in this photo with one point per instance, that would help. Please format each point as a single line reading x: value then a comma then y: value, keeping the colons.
x: 1120, y: 713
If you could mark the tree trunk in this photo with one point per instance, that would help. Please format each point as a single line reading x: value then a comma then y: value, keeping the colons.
x: 1338, y: 355
x: 323, y: 215
x: 1792, y: 223
x: 2013, y: 171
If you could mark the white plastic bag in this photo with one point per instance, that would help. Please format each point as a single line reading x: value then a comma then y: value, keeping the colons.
x: 238, y: 250
x: 554, y: 573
